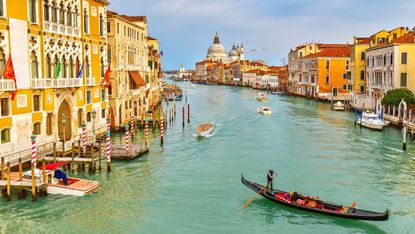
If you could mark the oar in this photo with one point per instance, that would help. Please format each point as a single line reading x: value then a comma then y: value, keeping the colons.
x: 256, y: 194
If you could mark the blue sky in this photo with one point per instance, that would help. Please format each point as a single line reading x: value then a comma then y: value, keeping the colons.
x: 186, y: 28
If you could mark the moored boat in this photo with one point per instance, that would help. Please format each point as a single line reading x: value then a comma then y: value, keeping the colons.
x: 261, y: 97
x: 371, y: 120
x: 338, y: 106
x: 265, y: 110
x: 204, y: 130
x: 307, y: 203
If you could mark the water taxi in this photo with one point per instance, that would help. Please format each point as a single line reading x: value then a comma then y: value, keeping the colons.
x: 261, y: 97
x: 371, y: 120
x: 204, y: 130
x: 265, y: 110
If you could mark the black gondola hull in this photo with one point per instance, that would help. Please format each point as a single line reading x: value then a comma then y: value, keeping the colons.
x: 352, y: 213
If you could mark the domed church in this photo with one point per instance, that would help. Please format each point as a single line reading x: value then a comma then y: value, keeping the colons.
x: 217, y: 52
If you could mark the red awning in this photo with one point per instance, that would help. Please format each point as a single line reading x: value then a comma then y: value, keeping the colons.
x: 53, y: 166
x: 139, y: 81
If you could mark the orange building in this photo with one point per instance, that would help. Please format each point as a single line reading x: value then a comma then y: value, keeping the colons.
x: 327, y: 72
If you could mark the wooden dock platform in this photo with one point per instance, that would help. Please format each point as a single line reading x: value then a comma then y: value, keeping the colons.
x: 136, y: 150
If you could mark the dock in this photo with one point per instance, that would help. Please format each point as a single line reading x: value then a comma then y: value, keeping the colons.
x: 136, y: 150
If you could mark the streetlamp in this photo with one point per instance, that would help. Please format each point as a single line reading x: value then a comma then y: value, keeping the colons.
x: 94, y: 115
x: 63, y: 122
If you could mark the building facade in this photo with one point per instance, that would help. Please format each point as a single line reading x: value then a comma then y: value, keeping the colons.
x: 59, y: 53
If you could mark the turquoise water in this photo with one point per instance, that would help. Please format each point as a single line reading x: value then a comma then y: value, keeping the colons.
x: 193, y: 185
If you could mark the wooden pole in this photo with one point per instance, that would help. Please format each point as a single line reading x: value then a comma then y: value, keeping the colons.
x: 78, y: 168
x: 9, y: 195
x: 73, y: 156
x: 44, y: 171
x: 2, y: 168
x: 21, y: 192
x: 34, y: 196
x: 54, y: 152
x: 188, y: 113
x: 99, y: 155
x: 92, y: 166
x: 404, y: 138
x: 183, y: 116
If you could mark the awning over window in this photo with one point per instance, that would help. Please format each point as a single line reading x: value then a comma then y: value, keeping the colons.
x: 139, y: 81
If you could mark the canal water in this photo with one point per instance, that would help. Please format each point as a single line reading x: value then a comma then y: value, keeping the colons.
x: 193, y: 185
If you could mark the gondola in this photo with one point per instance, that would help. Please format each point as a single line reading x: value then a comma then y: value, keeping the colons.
x: 314, y: 205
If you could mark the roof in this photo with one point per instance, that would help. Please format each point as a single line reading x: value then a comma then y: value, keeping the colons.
x: 105, y: 2
x: 151, y: 38
x: 128, y: 18
x: 256, y: 71
x: 362, y: 40
x: 407, y: 38
x: 337, y: 52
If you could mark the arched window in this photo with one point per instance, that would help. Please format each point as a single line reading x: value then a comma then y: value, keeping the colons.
x: 77, y: 67
x: 55, y: 67
x: 71, y: 68
x: 62, y: 14
x: 102, y: 68
x: 101, y: 25
x: 5, y: 135
x: 46, y: 11
x: 54, y: 12
x: 37, y: 128
x: 87, y: 67
x: 34, y: 66
x: 48, y: 69
x: 109, y: 54
x: 2, y: 60
x: 69, y: 16
x: 33, y: 11
x: 64, y: 65
x: 75, y: 17
x: 86, y: 23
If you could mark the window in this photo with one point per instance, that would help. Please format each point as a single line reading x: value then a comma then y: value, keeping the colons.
x: 49, y: 124
x: 36, y: 103
x: 384, y: 59
x: 301, y: 54
x: 362, y: 55
x: 362, y: 88
x: 395, y: 36
x: 101, y: 25
x: 4, y: 105
x: 125, y: 30
x: 344, y: 76
x: 2, y: 60
x: 103, y: 95
x: 48, y: 67
x: 34, y: 66
x: 108, y: 27
x: 88, y: 96
x: 54, y: 13
x: 362, y: 75
x: 347, y: 64
x: 32, y: 11
x: 109, y: 54
x: 62, y: 14
x: 344, y: 87
x: 327, y: 79
x: 403, y: 79
x: 87, y: 66
x: 327, y: 64
x: 391, y: 62
x: 69, y: 16
x: 36, y: 128
x: 88, y: 117
x: 86, y: 23
x: 102, y: 68
x: 103, y: 114
x: 75, y: 18
x: 350, y: 87
x: 5, y: 135
x: 118, y: 28
x: 1, y: 7
x: 404, y: 58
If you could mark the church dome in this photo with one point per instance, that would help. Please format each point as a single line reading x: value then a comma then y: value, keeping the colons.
x: 216, y: 51
x: 233, y: 52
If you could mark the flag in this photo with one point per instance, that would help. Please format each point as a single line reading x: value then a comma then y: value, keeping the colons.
x: 58, y: 69
x: 106, y: 81
x: 161, y: 53
x: 8, y: 73
x: 80, y: 71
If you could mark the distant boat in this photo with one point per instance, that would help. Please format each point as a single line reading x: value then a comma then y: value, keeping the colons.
x: 339, y: 106
x: 261, y: 97
x: 265, y: 110
x: 371, y: 120
x: 204, y: 130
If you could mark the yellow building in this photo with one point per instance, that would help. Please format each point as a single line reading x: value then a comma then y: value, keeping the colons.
x: 155, y: 72
x: 40, y: 35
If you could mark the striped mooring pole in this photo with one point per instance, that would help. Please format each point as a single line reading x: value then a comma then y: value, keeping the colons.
x: 146, y: 132
x: 84, y: 137
x: 127, y: 140
x: 132, y: 124
x: 161, y: 130
x: 108, y: 150
x: 34, y: 150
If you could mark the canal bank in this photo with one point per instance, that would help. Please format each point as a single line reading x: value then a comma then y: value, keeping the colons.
x: 193, y: 185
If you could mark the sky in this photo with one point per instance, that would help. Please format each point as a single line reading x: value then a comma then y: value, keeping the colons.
x: 185, y: 28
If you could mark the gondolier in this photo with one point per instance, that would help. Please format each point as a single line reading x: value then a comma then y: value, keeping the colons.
x: 270, y: 177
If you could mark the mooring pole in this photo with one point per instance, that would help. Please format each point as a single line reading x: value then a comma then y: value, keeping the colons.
x: 404, y: 138
x: 183, y: 116
x: 188, y: 113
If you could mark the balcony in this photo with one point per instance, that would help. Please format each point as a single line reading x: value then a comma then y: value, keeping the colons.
x: 133, y: 67
x: 90, y: 81
x: 62, y: 29
x: 67, y: 82
x: 43, y: 83
x: 7, y: 85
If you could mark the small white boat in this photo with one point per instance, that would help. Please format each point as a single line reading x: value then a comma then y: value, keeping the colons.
x: 261, y: 97
x: 265, y: 110
x: 204, y: 130
x: 339, y: 106
x: 371, y: 120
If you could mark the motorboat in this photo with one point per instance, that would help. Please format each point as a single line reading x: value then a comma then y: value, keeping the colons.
x: 265, y: 110
x: 204, y: 130
x: 339, y: 106
x: 371, y: 120
x: 261, y: 97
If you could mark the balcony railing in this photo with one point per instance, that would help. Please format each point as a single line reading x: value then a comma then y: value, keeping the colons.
x: 62, y: 29
x: 90, y: 81
x: 67, y: 82
x: 7, y: 85
x: 43, y: 83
